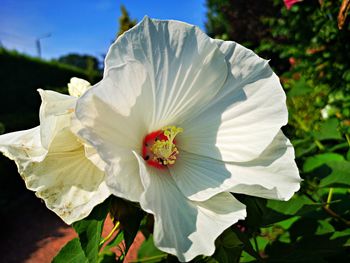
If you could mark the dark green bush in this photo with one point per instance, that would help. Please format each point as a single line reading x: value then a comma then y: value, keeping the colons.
x: 20, y: 77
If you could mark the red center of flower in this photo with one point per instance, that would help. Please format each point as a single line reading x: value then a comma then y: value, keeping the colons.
x: 159, y: 147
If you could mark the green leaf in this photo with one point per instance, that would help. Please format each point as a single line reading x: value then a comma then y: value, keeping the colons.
x: 339, y: 175
x: 340, y: 234
x: 303, y: 150
x: 309, y: 248
x: 245, y: 257
x: 328, y: 130
x: 256, y: 207
x: 290, y: 207
x: 228, y: 247
x: 338, y: 146
x: 300, y: 88
x: 223, y: 257
x: 229, y: 239
x: 315, y: 161
x: 149, y: 252
x: 247, y: 246
x: 115, y: 241
x: 90, y: 229
x: 331, y: 169
x: 107, y: 257
x: 71, y: 253
x: 286, y: 224
x: 324, y: 227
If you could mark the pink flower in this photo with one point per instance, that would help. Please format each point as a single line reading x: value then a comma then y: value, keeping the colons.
x: 290, y: 3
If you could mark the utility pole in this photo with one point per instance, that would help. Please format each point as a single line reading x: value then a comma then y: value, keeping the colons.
x: 38, y: 43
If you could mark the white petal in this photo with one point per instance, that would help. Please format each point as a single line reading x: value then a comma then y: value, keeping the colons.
x: 122, y: 177
x: 199, y: 177
x: 114, y: 121
x: 185, y: 67
x: 57, y: 121
x: 55, y: 114
x: 246, y: 114
x: 23, y: 147
x: 90, y: 151
x: 94, y: 157
x: 183, y: 227
x: 77, y: 86
x: 69, y: 183
x: 273, y: 174
x: 58, y: 171
x: 155, y: 74
x: 115, y: 111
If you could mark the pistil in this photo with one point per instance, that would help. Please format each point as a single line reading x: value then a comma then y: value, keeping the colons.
x: 159, y: 148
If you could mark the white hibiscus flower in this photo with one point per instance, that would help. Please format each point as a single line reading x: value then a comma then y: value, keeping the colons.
x: 182, y: 120
x: 54, y: 163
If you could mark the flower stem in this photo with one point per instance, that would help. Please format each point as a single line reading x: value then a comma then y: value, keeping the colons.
x: 319, y: 145
x: 303, y: 126
x: 330, y: 211
x: 110, y: 234
x: 329, y: 198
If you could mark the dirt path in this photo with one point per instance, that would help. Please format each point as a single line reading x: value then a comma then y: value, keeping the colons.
x: 36, y: 234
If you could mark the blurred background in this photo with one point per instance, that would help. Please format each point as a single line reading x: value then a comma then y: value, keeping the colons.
x: 45, y: 43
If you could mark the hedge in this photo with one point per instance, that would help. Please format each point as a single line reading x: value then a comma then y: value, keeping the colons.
x: 20, y: 77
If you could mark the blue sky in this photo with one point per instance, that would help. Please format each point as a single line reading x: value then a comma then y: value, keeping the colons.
x: 81, y: 26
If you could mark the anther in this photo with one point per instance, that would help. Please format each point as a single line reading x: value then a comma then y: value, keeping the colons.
x: 159, y: 147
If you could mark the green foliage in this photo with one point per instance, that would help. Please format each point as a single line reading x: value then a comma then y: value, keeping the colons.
x: 127, y: 219
x: 148, y: 252
x: 71, y: 253
x: 312, y: 56
x: 20, y: 77
x: 90, y: 229
x: 315, y: 161
x: 125, y: 22
x: 88, y: 63
x: 239, y: 20
x: 328, y: 130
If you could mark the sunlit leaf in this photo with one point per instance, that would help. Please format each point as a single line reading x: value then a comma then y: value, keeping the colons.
x: 300, y: 88
x: 339, y: 174
x: 290, y: 207
x: 71, y: 253
x: 315, y: 161
x: 109, y: 257
x: 90, y: 229
x: 148, y: 251
x: 328, y: 130
x: 229, y: 247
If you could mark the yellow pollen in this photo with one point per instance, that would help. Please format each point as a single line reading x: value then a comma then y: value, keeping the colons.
x: 165, y: 150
